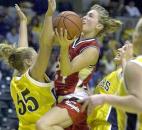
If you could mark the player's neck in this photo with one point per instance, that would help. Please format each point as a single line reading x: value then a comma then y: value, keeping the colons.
x: 23, y: 71
x: 88, y: 35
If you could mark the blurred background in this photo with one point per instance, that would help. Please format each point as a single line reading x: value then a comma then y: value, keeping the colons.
x: 127, y: 11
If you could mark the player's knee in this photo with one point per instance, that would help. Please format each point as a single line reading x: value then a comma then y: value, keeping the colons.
x: 41, y: 125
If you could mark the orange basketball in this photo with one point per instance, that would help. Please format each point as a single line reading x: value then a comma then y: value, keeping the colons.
x: 70, y: 21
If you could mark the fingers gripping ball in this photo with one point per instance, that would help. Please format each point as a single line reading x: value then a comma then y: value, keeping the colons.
x: 70, y: 21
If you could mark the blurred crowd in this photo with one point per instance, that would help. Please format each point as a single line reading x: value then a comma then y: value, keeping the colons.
x: 126, y: 10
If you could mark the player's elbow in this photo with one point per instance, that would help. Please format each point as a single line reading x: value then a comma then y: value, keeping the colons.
x: 65, y: 73
x: 137, y: 103
x: 68, y: 71
x: 140, y: 107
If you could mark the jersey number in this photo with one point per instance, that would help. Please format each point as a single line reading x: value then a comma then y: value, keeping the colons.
x: 24, y: 103
x: 105, y: 84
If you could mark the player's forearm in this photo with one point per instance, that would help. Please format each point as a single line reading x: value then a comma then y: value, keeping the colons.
x: 45, y: 44
x: 23, y: 38
x: 44, y: 51
x: 47, y: 32
x: 65, y: 64
x: 127, y: 103
x: 39, y: 67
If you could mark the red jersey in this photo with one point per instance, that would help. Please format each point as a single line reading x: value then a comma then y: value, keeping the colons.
x: 66, y: 85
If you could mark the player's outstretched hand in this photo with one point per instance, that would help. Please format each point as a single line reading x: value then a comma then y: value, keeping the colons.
x: 51, y: 7
x: 62, y: 38
x: 20, y: 13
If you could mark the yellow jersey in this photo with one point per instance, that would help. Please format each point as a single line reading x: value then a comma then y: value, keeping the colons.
x: 139, y: 123
x: 106, y: 117
x: 32, y: 100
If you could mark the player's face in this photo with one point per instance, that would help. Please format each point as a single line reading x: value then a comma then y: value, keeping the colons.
x: 118, y: 57
x: 90, y: 21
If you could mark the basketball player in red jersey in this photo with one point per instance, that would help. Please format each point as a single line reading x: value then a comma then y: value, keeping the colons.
x: 72, y: 71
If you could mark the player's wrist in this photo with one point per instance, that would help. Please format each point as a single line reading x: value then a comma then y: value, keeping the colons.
x: 64, y: 47
x: 24, y: 21
x: 49, y: 13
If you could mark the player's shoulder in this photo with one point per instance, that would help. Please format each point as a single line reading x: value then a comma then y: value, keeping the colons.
x: 137, y: 62
x: 85, y: 42
x: 34, y: 82
x: 133, y: 67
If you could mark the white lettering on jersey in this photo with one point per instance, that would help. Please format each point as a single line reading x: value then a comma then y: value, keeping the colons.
x: 72, y: 105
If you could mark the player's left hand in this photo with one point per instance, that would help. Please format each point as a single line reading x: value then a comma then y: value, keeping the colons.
x: 62, y: 38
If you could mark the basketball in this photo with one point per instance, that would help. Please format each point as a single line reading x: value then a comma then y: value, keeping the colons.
x: 70, y: 21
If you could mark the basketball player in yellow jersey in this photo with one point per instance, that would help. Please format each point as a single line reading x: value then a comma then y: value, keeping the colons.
x: 30, y: 89
x: 106, y: 117
x: 132, y: 102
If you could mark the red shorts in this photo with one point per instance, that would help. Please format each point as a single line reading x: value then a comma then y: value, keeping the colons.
x: 74, y: 109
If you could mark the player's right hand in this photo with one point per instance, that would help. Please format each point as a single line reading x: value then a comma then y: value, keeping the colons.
x: 21, y: 15
x: 51, y: 7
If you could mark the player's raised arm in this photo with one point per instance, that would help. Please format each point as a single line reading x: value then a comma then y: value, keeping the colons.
x: 23, y: 38
x: 79, y: 62
x: 38, y: 69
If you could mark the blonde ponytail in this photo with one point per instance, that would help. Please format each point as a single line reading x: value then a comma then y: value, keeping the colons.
x: 15, y: 57
x: 112, y: 25
x: 6, y: 50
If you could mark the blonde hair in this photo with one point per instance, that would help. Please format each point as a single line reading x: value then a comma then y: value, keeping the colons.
x: 138, y: 27
x: 109, y: 25
x: 15, y: 56
x: 137, y: 38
